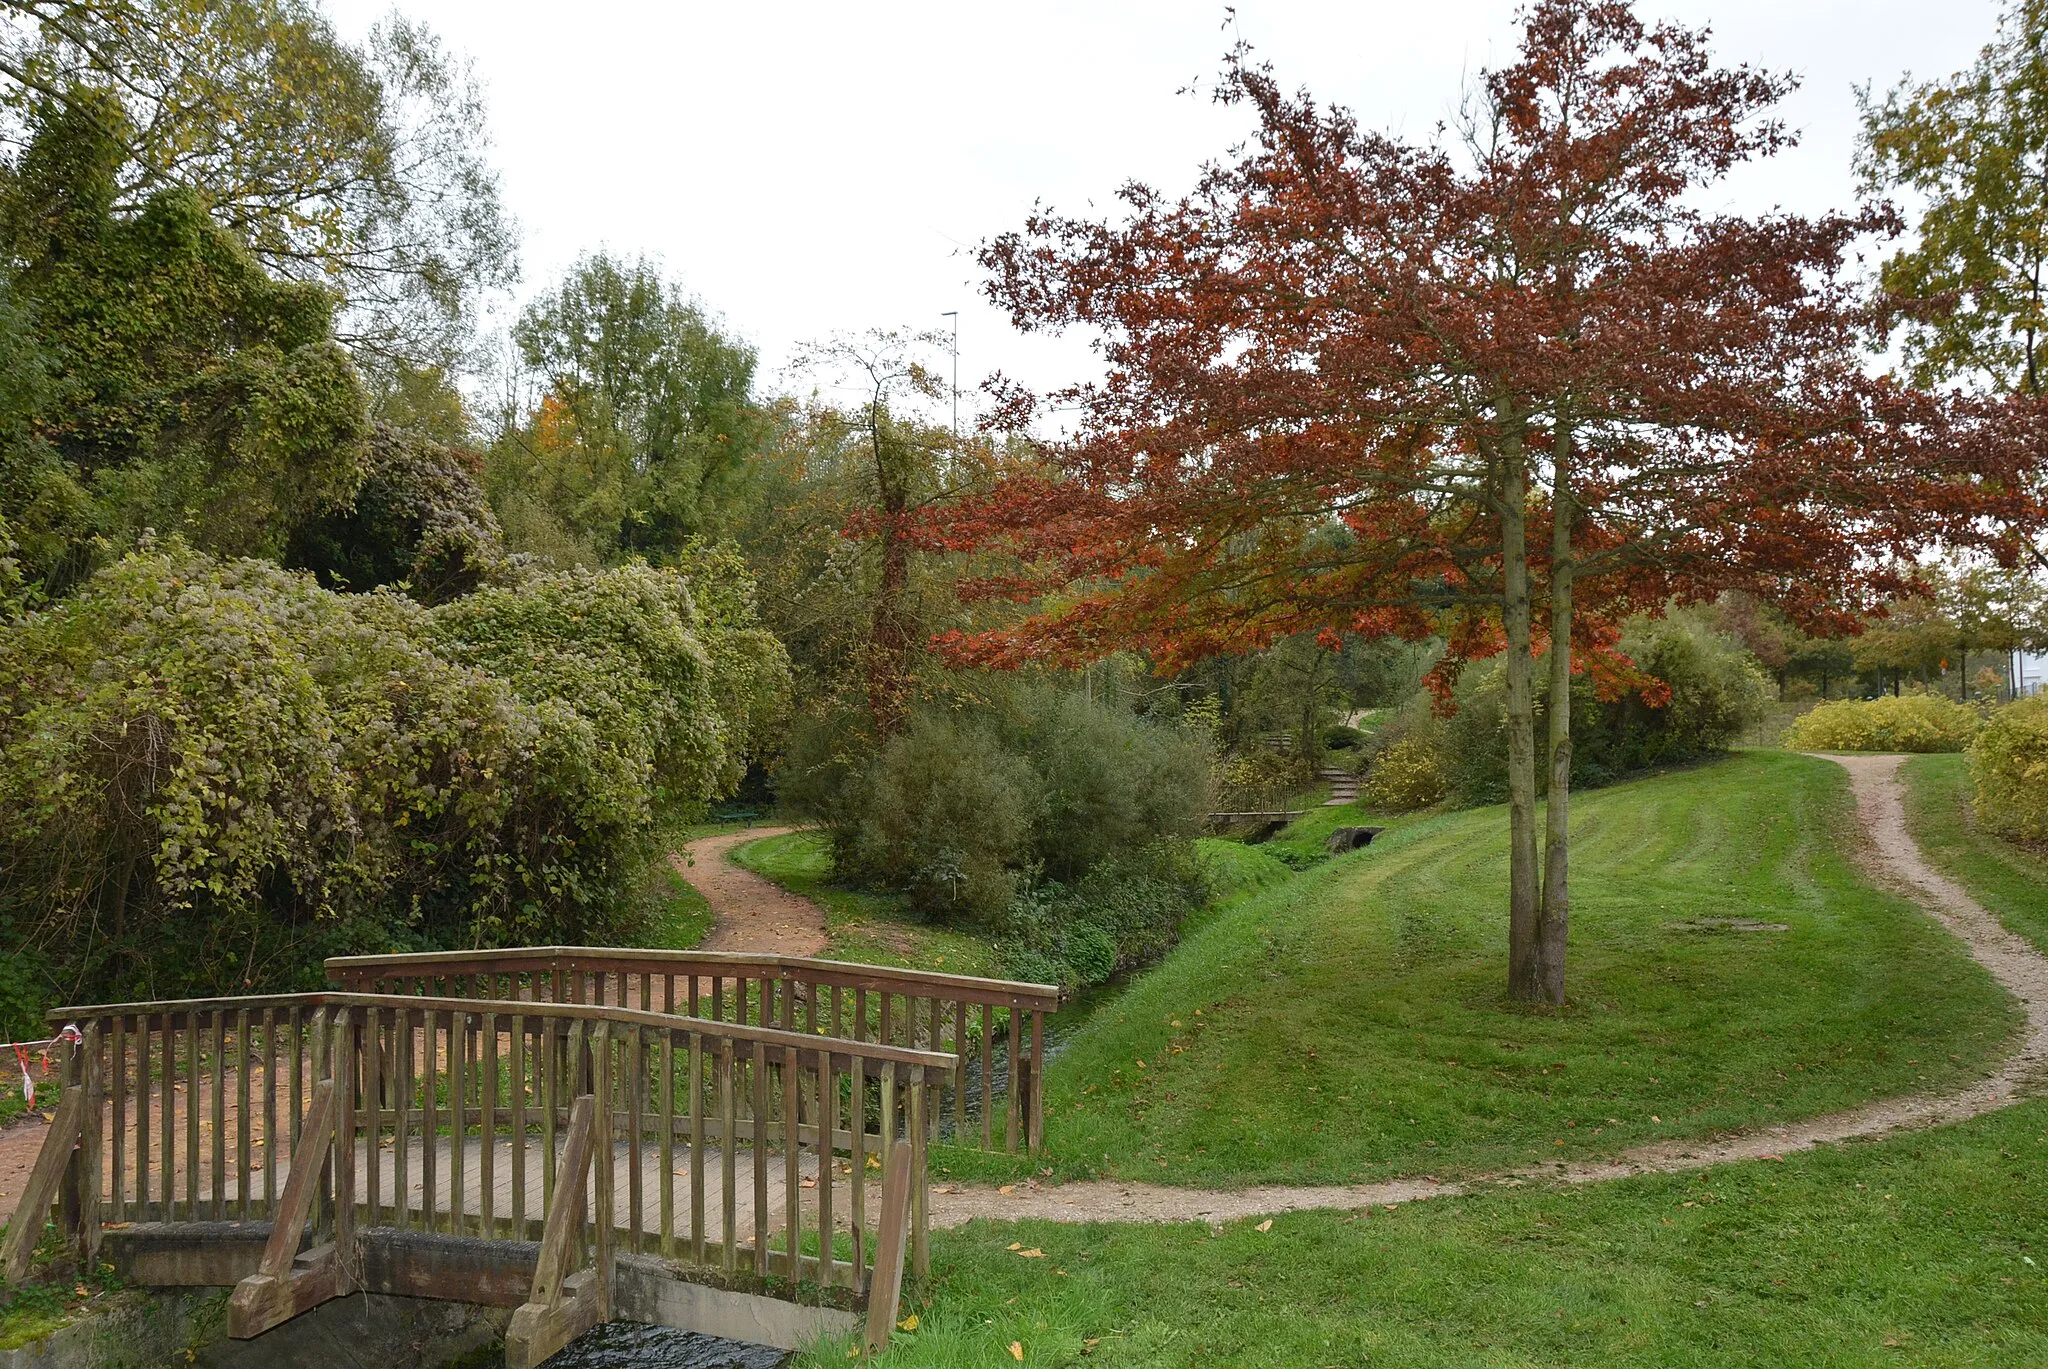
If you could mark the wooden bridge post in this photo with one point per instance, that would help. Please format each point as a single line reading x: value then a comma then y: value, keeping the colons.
x: 562, y: 1305
x: 287, y: 1282
x: 887, y: 1284
x: 55, y: 1177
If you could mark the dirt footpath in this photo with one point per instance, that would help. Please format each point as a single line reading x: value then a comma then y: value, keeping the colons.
x: 754, y: 914
x: 1889, y: 855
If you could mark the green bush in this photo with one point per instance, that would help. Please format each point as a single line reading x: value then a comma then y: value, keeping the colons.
x: 1060, y: 824
x: 2009, y: 761
x: 1909, y: 722
x: 1716, y: 690
x: 1409, y: 774
x: 214, y: 773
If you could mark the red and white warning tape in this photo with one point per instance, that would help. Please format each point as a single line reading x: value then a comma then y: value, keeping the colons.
x: 21, y: 1050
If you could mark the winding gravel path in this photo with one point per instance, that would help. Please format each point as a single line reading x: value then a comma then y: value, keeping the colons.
x: 1889, y: 854
x: 754, y: 914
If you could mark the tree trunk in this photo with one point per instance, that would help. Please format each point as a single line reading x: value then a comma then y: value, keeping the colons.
x: 1554, y: 917
x: 1525, y: 974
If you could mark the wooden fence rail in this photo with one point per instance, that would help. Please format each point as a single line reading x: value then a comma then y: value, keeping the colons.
x: 739, y: 1147
x: 994, y: 1029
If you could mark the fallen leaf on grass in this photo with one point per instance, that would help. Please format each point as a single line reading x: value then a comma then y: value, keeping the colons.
x: 909, y: 1323
x: 1266, y: 1225
x: 1034, y: 1253
x: 1017, y: 1351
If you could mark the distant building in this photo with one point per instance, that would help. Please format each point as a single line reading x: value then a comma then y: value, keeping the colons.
x: 2029, y: 673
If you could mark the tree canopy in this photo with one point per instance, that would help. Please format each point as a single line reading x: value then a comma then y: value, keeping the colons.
x: 363, y: 168
x: 1361, y: 385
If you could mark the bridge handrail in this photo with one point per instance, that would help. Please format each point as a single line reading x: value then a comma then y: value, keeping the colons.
x: 646, y: 960
x: 583, y: 1012
x: 919, y: 1007
x: 439, y: 1085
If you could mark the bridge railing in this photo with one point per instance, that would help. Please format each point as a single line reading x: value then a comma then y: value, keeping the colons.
x: 994, y: 1029
x: 737, y: 1147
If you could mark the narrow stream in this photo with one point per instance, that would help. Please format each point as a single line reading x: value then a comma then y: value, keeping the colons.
x: 627, y: 1345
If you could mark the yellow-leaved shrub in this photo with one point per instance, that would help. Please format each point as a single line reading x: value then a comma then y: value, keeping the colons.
x: 1409, y: 774
x: 2009, y: 761
x: 1911, y: 722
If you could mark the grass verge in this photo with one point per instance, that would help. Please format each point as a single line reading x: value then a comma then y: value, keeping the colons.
x: 875, y: 929
x: 1350, y: 1024
x: 1923, y: 1250
x: 2009, y: 880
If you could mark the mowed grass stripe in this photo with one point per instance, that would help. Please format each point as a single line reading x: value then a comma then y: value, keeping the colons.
x: 1350, y: 1024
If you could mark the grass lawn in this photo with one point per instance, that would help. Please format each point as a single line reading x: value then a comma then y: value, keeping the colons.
x: 875, y: 929
x: 1350, y: 1024
x: 1926, y: 1250
x: 2009, y: 880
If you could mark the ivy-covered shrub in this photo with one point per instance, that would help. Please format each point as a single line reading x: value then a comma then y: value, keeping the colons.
x: 1909, y: 722
x: 214, y: 773
x: 2009, y: 761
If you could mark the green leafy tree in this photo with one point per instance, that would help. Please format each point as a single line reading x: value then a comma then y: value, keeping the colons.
x: 643, y: 423
x: 1974, y: 149
x: 363, y: 167
x: 183, y: 388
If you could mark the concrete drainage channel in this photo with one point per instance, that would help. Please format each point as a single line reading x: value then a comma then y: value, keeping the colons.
x: 143, y: 1329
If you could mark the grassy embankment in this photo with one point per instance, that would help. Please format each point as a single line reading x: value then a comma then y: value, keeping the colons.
x: 1333, y: 1007
x: 2006, y: 878
x: 1350, y: 1024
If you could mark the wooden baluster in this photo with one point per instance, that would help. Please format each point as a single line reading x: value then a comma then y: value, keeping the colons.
x: 1010, y: 1102
x: 607, y: 1083
x: 244, y: 1207
x: 666, y: 1092
x: 430, y: 1121
x: 218, y: 1082
x: 318, y: 1067
x: 142, y: 1128
x: 343, y: 1073
x: 401, y: 1119
x: 792, y: 1168
x: 270, y: 1146
x: 487, y: 1152
x: 633, y: 1095
x: 697, y: 1104
x: 373, y: 1100
x: 1037, y: 1111
x: 988, y: 1078
x: 295, y: 1098
x: 960, y: 1072
x: 458, y: 1116
x: 118, y: 1139
x: 920, y: 1191
x: 518, y: 1125
x: 547, y: 1064
x: 828, y: 1126
x: 760, y: 1096
x: 857, y: 1196
x: 193, y: 1086
x: 728, y: 1145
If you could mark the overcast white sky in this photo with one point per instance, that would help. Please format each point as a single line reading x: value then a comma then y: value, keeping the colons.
x: 812, y: 168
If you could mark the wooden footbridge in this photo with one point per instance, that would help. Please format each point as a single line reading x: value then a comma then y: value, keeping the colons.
x: 556, y: 1129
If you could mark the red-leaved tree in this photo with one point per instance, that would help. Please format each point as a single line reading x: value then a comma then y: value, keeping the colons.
x: 1505, y: 389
